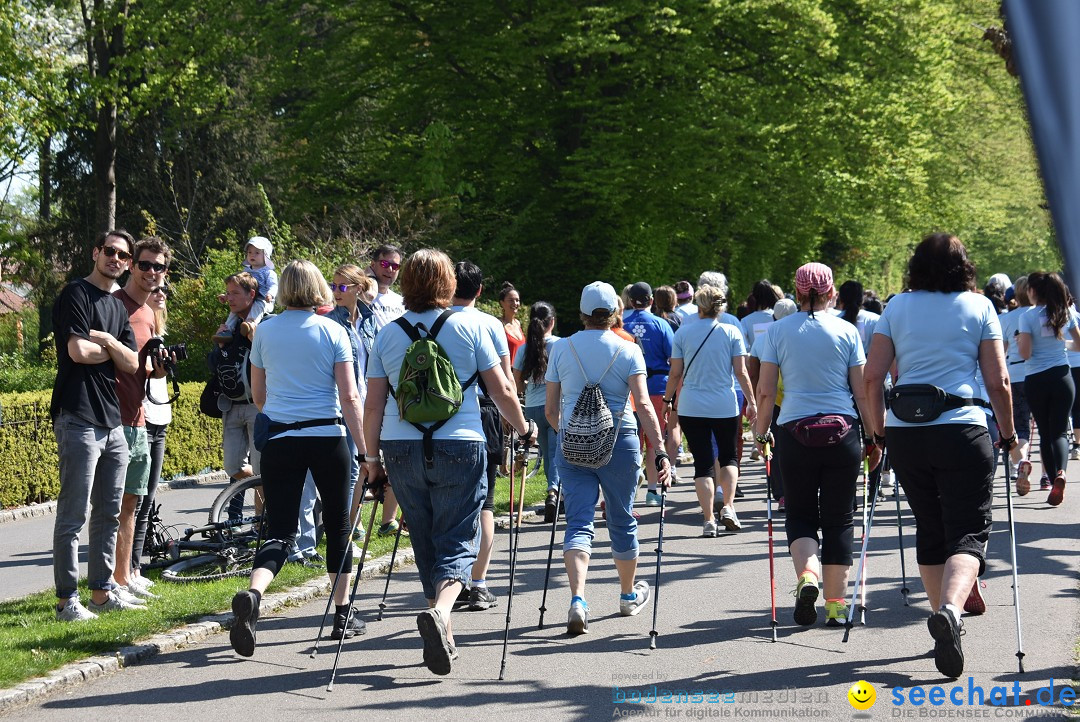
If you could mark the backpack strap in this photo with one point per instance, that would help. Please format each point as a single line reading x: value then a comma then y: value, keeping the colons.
x: 408, y: 328
x: 687, y: 369
x: 439, y: 322
x: 583, y: 374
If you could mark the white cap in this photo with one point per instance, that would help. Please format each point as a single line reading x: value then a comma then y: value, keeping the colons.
x: 598, y: 295
x: 263, y: 244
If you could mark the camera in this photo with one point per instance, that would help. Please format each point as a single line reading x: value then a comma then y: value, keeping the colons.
x: 156, y: 347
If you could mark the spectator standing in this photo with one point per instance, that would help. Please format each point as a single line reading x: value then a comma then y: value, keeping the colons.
x: 510, y: 301
x: 94, y: 344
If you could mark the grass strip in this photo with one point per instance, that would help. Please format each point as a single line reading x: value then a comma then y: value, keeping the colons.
x: 35, y: 644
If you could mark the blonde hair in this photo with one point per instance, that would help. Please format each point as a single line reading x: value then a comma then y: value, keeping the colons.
x: 354, y: 274
x: 710, y: 301
x: 302, y: 285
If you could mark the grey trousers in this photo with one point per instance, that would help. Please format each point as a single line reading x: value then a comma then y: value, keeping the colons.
x: 93, y: 462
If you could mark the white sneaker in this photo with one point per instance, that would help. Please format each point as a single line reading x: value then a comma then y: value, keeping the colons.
x: 140, y: 591
x: 730, y: 519
x: 754, y: 455
x: 126, y: 595
x: 74, y: 611
x: 630, y: 607
x: 1074, y: 453
x: 709, y: 529
x: 115, y: 604
x: 887, y: 479
x: 140, y: 581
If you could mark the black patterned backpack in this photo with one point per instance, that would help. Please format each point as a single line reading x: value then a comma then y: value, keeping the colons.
x: 587, y: 438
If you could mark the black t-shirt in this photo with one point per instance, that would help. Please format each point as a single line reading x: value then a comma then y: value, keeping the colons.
x: 88, y: 390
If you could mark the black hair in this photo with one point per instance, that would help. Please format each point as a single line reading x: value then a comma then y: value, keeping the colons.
x: 469, y: 279
x: 764, y: 294
x: 873, y: 305
x: 995, y: 291
x: 506, y: 288
x: 386, y: 250
x: 940, y: 263
x: 851, y: 295
x: 116, y: 233
x: 534, y: 364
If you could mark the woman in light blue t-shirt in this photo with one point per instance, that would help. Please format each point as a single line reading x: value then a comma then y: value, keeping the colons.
x: 530, y: 366
x: 939, y: 335
x: 1048, y: 383
x: 707, y: 360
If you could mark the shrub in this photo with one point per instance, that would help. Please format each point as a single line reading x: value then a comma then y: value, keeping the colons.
x: 28, y: 447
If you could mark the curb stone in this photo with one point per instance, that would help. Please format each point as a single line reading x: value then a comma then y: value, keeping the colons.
x: 49, y: 507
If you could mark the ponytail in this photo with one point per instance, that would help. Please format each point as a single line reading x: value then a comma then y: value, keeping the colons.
x: 851, y: 295
x: 534, y: 364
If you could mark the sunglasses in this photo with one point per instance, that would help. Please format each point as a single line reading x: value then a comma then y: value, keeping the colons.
x: 111, y: 251
x: 156, y: 267
x: 390, y: 264
x: 341, y: 287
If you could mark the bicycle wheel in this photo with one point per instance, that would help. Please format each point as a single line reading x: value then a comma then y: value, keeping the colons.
x: 231, y: 562
x: 236, y: 505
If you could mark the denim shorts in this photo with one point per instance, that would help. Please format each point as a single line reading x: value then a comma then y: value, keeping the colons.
x: 441, y: 505
x: 619, y: 480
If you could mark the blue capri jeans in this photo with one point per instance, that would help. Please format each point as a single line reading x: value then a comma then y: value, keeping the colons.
x: 441, y: 505
x: 581, y: 489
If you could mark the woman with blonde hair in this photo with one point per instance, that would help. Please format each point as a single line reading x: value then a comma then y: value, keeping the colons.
x: 303, y: 383
x: 708, y: 409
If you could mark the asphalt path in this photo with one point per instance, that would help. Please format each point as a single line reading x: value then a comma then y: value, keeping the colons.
x: 714, y: 638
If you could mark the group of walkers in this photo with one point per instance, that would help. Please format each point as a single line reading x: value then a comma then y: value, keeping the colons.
x: 407, y: 399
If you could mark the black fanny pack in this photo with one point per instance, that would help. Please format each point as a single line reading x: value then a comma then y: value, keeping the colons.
x: 266, y: 429
x: 919, y: 403
x: 821, y: 430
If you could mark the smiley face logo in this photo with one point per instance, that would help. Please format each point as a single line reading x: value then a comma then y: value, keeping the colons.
x: 861, y: 695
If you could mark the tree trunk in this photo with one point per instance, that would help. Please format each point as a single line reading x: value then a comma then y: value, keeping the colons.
x: 105, y: 166
x: 45, y: 179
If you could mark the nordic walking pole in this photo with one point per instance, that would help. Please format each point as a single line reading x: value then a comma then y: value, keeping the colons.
x: 772, y: 566
x: 848, y: 624
x: 352, y: 592
x: 333, y: 588
x: 393, y: 556
x: 899, y: 528
x: 1012, y: 549
x: 515, y: 532
x: 551, y: 551
x: 866, y: 491
x: 659, y: 554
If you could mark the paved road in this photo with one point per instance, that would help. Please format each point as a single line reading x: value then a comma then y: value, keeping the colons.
x: 26, y: 544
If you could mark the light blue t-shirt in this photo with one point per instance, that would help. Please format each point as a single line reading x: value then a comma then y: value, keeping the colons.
x: 708, y: 389
x: 756, y: 324
x: 596, y: 349
x: 298, y: 350
x: 1074, y: 356
x: 1010, y: 326
x: 936, y: 337
x: 1047, y: 350
x: 866, y: 321
x: 494, y: 328
x: 814, y: 355
x: 688, y: 311
x: 465, y: 339
x: 535, y: 391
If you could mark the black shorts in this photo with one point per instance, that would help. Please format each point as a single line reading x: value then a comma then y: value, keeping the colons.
x: 493, y: 436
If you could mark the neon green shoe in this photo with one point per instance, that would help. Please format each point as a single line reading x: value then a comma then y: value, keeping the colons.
x: 836, y: 613
x: 806, y: 595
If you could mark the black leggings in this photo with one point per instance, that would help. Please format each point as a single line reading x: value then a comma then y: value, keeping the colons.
x: 947, y: 471
x: 493, y: 436
x: 1075, y: 371
x: 819, y: 492
x: 1050, y: 395
x: 155, y: 436
x: 286, y: 461
x: 700, y: 432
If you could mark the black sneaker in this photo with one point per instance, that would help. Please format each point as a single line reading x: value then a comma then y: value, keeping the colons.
x: 481, y: 598
x: 946, y: 630
x: 463, y: 596
x: 355, y: 627
x: 550, y: 510
x: 245, y: 608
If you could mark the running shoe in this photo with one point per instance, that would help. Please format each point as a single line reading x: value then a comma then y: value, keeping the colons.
x: 1057, y: 494
x: 630, y: 607
x: 946, y: 630
x: 1023, y: 478
x: 438, y: 653
x: 74, y: 611
x: 1044, y: 482
x: 780, y: 506
x: 730, y: 519
x: 709, y: 530
x: 551, y: 510
x: 577, y: 621
x: 115, y: 603
x: 354, y: 628
x: 975, y: 604
x: 836, y: 613
x: 652, y: 498
x: 388, y: 528
x: 121, y: 591
x: 481, y: 598
x: 463, y: 596
x: 245, y: 608
x: 806, y: 594
x: 755, y: 455
x: 1074, y: 452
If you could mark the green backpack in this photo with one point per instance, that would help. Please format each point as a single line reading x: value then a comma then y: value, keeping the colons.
x: 428, y: 390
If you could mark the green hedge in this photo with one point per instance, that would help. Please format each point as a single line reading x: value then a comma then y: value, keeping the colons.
x: 28, y: 472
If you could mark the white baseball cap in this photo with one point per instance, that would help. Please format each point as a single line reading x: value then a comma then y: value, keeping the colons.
x: 598, y: 295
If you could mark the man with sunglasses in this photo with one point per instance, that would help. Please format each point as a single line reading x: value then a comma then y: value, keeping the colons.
x: 94, y: 346
x: 151, y: 263
x: 385, y: 264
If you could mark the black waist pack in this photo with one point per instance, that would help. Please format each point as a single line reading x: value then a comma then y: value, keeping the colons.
x: 821, y: 430
x: 266, y: 429
x: 919, y: 403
